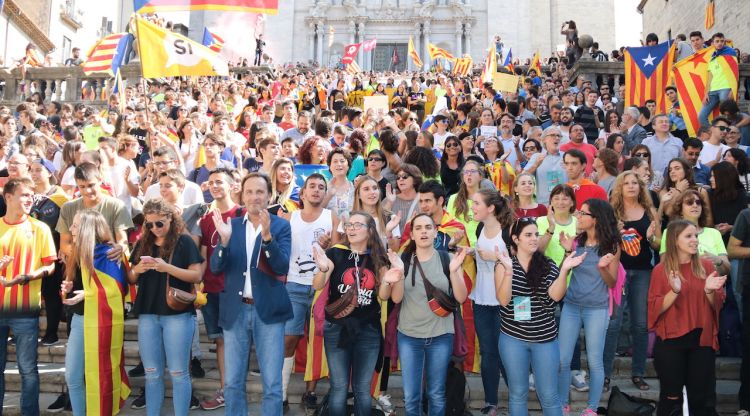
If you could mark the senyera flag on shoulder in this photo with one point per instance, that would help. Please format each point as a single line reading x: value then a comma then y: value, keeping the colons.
x: 251, y: 6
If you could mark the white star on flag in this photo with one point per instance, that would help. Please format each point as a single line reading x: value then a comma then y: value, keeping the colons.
x: 649, y: 60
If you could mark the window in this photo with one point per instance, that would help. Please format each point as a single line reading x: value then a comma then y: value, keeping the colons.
x: 67, y: 45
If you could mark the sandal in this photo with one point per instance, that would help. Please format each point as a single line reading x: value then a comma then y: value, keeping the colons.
x: 606, y: 384
x: 640, y: 383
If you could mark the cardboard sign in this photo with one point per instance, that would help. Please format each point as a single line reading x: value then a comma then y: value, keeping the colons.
x: 504, y: 82
x: 377, y: 102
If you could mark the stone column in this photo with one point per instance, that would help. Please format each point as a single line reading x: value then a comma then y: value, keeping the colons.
x: 459, y: 33
x: 352, y: 30
x: 322, y: 34
x: 467, y: 31
x: 313, y: 32
x: 361, y: 37
x: 426, y: 60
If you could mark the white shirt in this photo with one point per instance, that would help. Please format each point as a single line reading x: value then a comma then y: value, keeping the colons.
x: 709, y: 151
x: 251, y: 235
x: 118, y: 180
x: 192, y: 193
x: 484, y: 289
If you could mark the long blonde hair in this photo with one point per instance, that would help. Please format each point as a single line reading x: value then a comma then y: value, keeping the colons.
x: 281, y: 197
x: 671, y: 257
x: 618, y: 201
x: 92, y: 230
x: 382, y: 216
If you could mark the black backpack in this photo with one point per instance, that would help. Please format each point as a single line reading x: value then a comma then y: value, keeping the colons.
x: 455, y: 392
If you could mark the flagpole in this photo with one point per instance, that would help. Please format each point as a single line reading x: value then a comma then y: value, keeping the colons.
x: 143, y: 79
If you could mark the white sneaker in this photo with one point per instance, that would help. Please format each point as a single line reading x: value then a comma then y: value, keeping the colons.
x: 383, y: 403
x: 578, y: 380
x: 532, y: 386
x: 743, y: 412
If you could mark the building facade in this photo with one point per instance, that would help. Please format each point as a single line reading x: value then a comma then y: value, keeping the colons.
x: 669, y: 18
x: 318, y: 30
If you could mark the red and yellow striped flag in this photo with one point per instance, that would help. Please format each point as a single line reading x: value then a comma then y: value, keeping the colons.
x: 252, y: 6
x: 353, y: 68
x: 107, y: 385
x: 490, y: 64
x: 648, y: 70
x: 710, y: 17
x: 438, y: 52
x: 691, y: 75
x: 462, y: 66
x: 413, y: 54
x: 536, y: 65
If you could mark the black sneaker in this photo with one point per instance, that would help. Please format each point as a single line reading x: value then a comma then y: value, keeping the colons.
x: 195, y: 404
x: 285, y: 405
x: 140, y: 401
x: 196, y: 370
x: 137, y: 371
x: 50, y: 340
x: 309, y: 400
x: 62, y: 403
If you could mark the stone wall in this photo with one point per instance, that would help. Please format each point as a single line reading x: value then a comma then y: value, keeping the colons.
x: 684, y: 16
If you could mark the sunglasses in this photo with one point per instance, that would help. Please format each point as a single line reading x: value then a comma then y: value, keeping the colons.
x: 451, y: 144
x: 642, y: 155
x: 403, y: 177
x: 692, y: 202
x: 150, y: 225
x: 722, y: 128
x: 374, y: 159
x: 412, y: 119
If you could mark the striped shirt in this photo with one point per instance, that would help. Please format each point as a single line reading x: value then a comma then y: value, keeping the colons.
x: 541, y: 327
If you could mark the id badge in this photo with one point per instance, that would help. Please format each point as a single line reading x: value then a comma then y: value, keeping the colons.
x: 521, y: 308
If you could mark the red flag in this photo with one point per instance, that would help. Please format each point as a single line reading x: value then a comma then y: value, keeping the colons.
x: 395, y: 59
x: 350, y: 52
x: 369, y: 45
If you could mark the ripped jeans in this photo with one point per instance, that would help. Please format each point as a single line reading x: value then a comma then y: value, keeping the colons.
x: 170, y: 336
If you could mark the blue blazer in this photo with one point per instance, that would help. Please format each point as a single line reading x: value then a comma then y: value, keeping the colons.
x: 270, y: 264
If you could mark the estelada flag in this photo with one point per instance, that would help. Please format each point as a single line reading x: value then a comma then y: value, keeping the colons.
x: 350, y: 51
x: 691, y: 75
x: 438, y: 52
x: 107, y: 54
x: 107, y: 385
x: 212, y: 41
x: 647, y: 73
x: 508, y: 64
x: 413, y: 54
x: 168, y: 54
x: 462, y: 66
x: 252, y: 6
x: 369, y: 45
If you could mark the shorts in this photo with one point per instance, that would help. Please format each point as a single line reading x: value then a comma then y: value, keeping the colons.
x: 210, y: 313
x: 301, y: 297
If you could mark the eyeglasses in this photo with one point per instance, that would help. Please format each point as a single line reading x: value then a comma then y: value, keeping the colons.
x: 468, y: 172
x: 403, y: 177
x: 412, y: 119
x: 692, y: 202
x: 451, y: 144
x: 641, y: 154
x: 374, y: 159
x: 529, y: 149
x: 580, y: 212
x: 722, y: 128
x: 150, y: 225
x: 354, y: 226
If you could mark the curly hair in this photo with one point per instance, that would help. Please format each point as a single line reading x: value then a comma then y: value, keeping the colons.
x: 147, y: 241
x: 690, y: 194
x: 425, y: 160
x: 304, y: 154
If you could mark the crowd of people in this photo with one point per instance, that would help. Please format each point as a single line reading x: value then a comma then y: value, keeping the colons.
x: 290, y: 218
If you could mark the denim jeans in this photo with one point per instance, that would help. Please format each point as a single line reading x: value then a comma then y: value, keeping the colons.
x: 170, y: 336
x: 487, y: 325
x: 269, y: 348
x: 594, y: 322
x: 195, y: 347
x: 544, y: 358
x: 74, y: 366
x: 424, y: 359
x: 26, y: 331
x: 714, y: 98
x: 635, y: 299
x: 357, y: 360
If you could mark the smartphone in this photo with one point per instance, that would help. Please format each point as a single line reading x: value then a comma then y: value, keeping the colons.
x: 147, y: 259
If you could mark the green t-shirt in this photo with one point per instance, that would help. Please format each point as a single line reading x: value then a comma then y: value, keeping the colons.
x: 112, y: 209
x: 91, y: 135
x: 709, y: 242
x: 554, y: 250
x: 719, y: 78
x: 373, y: 145
x: 468, y: 221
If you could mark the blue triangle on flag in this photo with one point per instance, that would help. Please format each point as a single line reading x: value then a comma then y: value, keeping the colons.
x: 649, y: 57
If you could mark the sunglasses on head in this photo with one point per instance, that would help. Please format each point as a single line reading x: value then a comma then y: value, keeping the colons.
x: 150, y: 225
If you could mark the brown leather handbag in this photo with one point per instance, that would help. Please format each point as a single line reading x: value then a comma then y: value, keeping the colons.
x: 345, y: 305
x: 177, y: 299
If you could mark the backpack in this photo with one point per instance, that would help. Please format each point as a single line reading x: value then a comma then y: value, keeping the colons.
x: 455, y: 392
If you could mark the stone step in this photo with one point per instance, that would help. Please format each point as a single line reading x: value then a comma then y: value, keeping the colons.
x: 52, y: 379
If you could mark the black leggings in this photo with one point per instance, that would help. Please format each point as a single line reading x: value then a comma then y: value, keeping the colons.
x: 683, y: 362
x: 52, y: 301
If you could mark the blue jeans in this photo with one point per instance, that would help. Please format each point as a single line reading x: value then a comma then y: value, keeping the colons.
x: 635, y: 298
x: 26, y: 331
x: 75, y: 366
x: 170, y: 336
x: 301, y: 297
x: 269, y: 347
x: 487, y: 325
x: 357, y: 360
x: 594, y: 322
x: 544, y: 358
x: 428, y: 359
x: 714, y: 98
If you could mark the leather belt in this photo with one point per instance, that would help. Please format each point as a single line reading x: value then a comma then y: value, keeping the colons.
x: 248, y: 301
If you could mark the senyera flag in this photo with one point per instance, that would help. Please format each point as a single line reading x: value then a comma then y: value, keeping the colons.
x: 648, y: 70
x: 108, y: 54
x: 252, y: 6
x: 350, y: 51
x: 369, y: 45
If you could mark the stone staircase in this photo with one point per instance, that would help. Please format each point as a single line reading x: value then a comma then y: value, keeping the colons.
x: 52, y: 380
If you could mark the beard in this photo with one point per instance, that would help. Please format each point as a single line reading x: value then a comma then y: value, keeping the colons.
x: 566, y: 122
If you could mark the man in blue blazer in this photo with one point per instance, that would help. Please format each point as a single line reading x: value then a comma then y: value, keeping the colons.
x: 254, y: 256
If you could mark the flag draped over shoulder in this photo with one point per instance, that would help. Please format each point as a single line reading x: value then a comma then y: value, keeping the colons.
x: 212, y: 41
x: 413, y: 54
x: 167, y: 54
x: 647, y: 73
x: 691, y: 75
x: 254, y: 6
x: 508, y: 64
x: 107, y: 385
x: 107, y: 54
x: 438, y: 52
x: 490, y: 64
x: 536, y: 64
